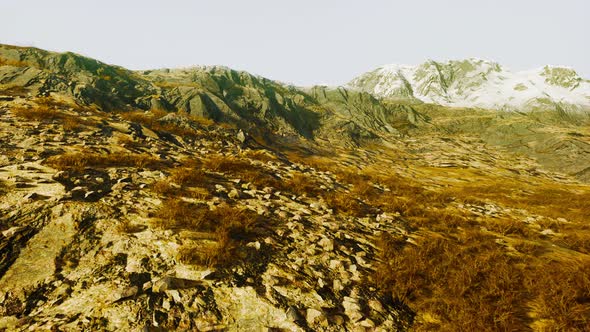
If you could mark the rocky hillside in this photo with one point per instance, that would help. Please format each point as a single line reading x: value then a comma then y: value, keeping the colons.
x: 479, y: 83
x: 210, y: 199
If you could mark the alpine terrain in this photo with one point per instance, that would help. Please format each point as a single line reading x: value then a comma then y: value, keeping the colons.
x: 449, y: 196
x: 479, y: 83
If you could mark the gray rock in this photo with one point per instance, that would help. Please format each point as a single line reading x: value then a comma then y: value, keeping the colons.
x: 241, y: 136
x: 169, y: 283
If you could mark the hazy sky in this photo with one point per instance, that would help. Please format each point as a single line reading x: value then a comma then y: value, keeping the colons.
x: 305, y: 41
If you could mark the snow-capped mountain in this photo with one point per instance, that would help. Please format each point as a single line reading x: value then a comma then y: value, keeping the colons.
x: 478, y: 83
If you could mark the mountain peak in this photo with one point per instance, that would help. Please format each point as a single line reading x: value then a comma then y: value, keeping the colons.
x: 475, y: 82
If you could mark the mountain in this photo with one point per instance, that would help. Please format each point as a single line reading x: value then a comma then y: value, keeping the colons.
x: 478, y: 83
x: 211, y: 199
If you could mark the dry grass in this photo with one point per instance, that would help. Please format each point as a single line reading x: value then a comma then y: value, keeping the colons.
x: 470, y: 283
x: 459, y: 279
x: 243, y: 169
x: 302, y: 184
x: 77, y: 161
x: 150, y: 119
x: 458, y: 276
x: 127, y: 227
x: 187, y: 182
x: 13, y: 63
x: 178, y: 214
x: 578, y: 240
x: 129, y: 143
x: 560, y: 296
x: 51, y: 110
x: 541, y: 199
x: 511, y: 227
x: 227, y: 164
x: 13, y: 90
x: 40, y: 113
x: 345, y: 203
x: 260, y: 155
x: 4, y: 188
x: 231, y: 228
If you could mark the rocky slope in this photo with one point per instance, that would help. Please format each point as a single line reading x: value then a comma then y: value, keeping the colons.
x: 211, y: 199
x: 479, y: 83
x: 106, y: 265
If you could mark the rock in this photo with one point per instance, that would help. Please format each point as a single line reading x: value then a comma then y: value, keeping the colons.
x: 337, y: 320
x: 337, y: 285
x: 336, y: 264
x: 305, y: 211
x: 256, y: 245
x: 82, y: 193
x: 234, y: 194
x: 241, y: 136
x: 128, y: 293
x: 293, y: 314
x: 34, y: 196
x: 367, y: 323
x: 169, y: 283
x: 376, y: 305
x: 327, y: 244
x: 352, y: 309
x: 119, y: 186
x: 315, y: 317
x: 124, y: 180
x: 11, y: 231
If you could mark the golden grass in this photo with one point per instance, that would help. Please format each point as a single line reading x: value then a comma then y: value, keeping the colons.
x: 150, y: 119
x: 40, y: 113
x: 77, y: 161
x: 127, y: 227
x: 459, y: 277
x: 470, y: 283
x: 511, y: 227
x: 231, y: 228
x: 302, y: 184
x: 13, y: 63
x: 260, y: 155
x: 560, y: 293
x: 50, y: 110
x: 4, y: 188
x: 229, y: 164
x: 243, y: 169
x: 187, y: 182
x: 345, y: 203
x: 541, y: 199
x: 578, y: 240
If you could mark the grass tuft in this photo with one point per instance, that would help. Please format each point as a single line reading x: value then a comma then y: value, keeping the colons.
x: 77, y: 161
x: 231, y: 228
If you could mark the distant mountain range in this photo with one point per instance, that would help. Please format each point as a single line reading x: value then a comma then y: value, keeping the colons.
x: 478, y: 83
x: 547, y: 118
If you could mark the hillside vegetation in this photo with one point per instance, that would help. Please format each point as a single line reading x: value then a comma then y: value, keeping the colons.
x: 213, y: 199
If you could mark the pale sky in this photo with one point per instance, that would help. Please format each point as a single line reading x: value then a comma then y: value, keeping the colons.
x: 305, y: 41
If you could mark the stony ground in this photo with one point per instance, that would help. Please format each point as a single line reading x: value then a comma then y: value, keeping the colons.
x: 80, y: 251
x: 85, y: 248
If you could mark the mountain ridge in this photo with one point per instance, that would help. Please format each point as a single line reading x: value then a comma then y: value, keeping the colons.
x: 478, y: 83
